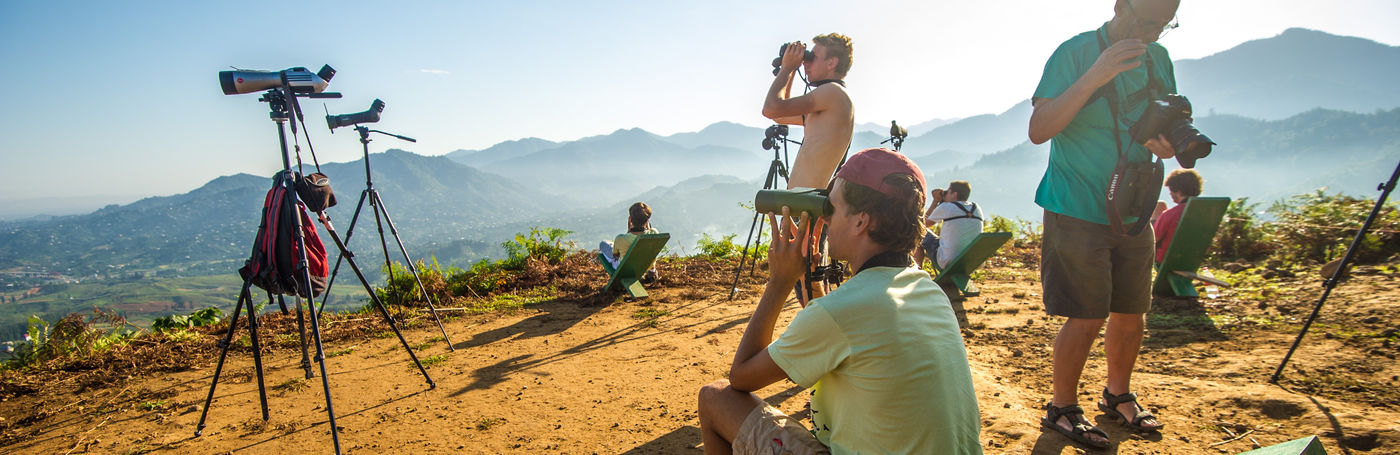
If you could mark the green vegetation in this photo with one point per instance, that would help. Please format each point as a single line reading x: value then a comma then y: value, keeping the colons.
x: 74, y: 337
x: 487, y: 422
x: 434, y: 360
x: 725, y: 248
x: 651, y: 317
x: 1308, y: 228
x: 201, y: 318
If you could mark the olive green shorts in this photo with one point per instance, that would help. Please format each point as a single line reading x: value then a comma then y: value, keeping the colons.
x: 1087, y: 271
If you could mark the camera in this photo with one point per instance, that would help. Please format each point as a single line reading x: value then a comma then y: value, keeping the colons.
x: 772, y: 137
x: 1171, y: 117
x: 811, y: 200
x: 302, y: 80
x: 807, y: 56
x: 368, y: 116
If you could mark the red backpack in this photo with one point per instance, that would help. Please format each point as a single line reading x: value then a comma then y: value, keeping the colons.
x: 273, y: 265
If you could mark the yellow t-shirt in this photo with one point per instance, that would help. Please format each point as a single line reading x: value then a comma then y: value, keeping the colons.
x: 624, y: 241
x: 886, y: 364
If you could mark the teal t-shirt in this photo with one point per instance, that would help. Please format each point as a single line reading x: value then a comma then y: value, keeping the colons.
x: 886, y: 364
x: 1083, y: 155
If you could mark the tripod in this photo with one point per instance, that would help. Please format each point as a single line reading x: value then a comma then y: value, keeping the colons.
x: 897, y: 136
x: 278, y: 100
x: 377, y: 206
x: 775, y: 139
x: 1385, y: 188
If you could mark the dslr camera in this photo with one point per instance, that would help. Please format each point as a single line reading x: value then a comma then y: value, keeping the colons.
x: 811, y: 200
x: 1171, y: 117
x: 774, y: 136
x: 807, y: 56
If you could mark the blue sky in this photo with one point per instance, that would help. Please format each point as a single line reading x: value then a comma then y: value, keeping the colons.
x: 113, y: 101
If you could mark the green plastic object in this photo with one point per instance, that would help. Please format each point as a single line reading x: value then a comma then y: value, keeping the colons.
x: 959, y: 271
x: 1302, y: 446
x: 632, y: 266
x: 1199, y: 221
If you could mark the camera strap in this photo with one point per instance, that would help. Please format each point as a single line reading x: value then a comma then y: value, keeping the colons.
x: 1116, y: 182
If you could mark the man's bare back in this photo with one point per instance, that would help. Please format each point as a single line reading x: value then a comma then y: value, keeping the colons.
x: 826, y: 134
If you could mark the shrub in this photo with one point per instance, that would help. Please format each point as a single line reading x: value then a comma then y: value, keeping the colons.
x: 402, y: 288
x: 542, y: 244
x: 1241, y: 237
x: 1317, y: 227
x: 72, y: 338
x: 200, y: 318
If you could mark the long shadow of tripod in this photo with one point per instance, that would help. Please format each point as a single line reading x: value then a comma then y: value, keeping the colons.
x: 283, y: 202
x: 775, y: 139
x: 377, y: 207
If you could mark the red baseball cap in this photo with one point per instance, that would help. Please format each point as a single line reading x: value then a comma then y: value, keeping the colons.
x: 869, y: 168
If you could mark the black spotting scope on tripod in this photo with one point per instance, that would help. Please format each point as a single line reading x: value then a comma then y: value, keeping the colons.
x: 897, y: 135
x: 377, y: 206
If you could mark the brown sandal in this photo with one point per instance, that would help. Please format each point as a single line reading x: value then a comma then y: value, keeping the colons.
x: 1080, y: 425
x: 1110, y: 406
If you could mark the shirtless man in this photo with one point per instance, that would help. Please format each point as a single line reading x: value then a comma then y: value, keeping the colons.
x: 825, y: 113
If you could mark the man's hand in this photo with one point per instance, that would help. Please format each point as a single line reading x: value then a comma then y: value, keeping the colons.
x: 785, y: 254
x: 1160, y: 146
x: 792, y: 57
x: 1114, y: 60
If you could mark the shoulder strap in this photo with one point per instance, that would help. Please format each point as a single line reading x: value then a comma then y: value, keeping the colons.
x: 967, y: 213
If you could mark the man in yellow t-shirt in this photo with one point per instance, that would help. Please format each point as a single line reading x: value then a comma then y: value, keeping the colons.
x: 882, y: 353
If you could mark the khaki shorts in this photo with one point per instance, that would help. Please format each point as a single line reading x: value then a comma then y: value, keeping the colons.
x: 767, y: 431
x: 1087, y: 271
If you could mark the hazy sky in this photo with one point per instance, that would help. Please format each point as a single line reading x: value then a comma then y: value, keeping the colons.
x: 118, y: 100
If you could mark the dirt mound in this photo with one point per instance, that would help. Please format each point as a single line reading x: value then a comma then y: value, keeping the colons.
x: 593, y: 373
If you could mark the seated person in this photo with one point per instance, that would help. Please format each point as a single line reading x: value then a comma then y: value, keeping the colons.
x: 882, y: 353
x: 1182, y: 184
x: 962, y: 222
x: 638, y: 222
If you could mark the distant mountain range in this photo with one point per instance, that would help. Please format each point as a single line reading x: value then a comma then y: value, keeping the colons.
x: 461, y: 206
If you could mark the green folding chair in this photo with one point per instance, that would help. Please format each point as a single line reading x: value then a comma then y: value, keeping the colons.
x: 1194, y: 234
x: 630, y: 269
x: 958, y: 272
x: 1302, y: 446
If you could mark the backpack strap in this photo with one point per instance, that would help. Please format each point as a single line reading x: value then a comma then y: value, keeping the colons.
x: 967, y: 213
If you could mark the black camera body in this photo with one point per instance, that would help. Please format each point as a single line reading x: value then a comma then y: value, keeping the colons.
x: 807, y: 56
x: 1171, y: 117
x: 774, y: 136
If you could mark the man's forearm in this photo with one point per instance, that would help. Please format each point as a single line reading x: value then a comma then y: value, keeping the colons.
x: 778, y: 91
x: 1050, y: 116
x: 759, y: 332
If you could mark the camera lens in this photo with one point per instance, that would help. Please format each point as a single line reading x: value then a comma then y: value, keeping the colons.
x: 1190, y: 144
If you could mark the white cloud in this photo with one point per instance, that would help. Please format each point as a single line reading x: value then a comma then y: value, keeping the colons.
x: 437, y: 72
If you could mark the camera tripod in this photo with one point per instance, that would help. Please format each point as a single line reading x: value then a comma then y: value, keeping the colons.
x: 278, y: 100
x: 1385, y: 188
x: 775, y: 138
x: 377, y: 206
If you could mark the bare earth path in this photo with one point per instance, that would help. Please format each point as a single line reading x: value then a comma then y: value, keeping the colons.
x: 560, y: 378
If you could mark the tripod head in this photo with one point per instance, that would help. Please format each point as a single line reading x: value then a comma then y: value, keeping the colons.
x: 897, y: 135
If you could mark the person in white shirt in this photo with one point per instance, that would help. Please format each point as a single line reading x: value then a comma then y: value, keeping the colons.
x: 962, y: 222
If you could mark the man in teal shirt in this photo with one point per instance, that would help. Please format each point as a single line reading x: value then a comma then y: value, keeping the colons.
x: 1089, y: 272
x: 882, y: 353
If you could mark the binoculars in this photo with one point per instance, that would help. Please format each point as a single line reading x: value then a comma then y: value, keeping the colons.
x: 811, y: 200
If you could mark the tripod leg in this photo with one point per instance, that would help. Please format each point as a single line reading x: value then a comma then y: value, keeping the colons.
x: 257, y: 356
x: 768, y: 182
x: 301, y: 331
x: 350, y: 258
x: 243, y: 296
x: 325, y: 379
x: 744, y: 254
x: 374, y: 208
x: 280, y: 302
x: 414, y: 270
x: 348, y: 232
x: 758, y: 241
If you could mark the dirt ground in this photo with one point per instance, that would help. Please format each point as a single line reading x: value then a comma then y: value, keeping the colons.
x: 558, y: 377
